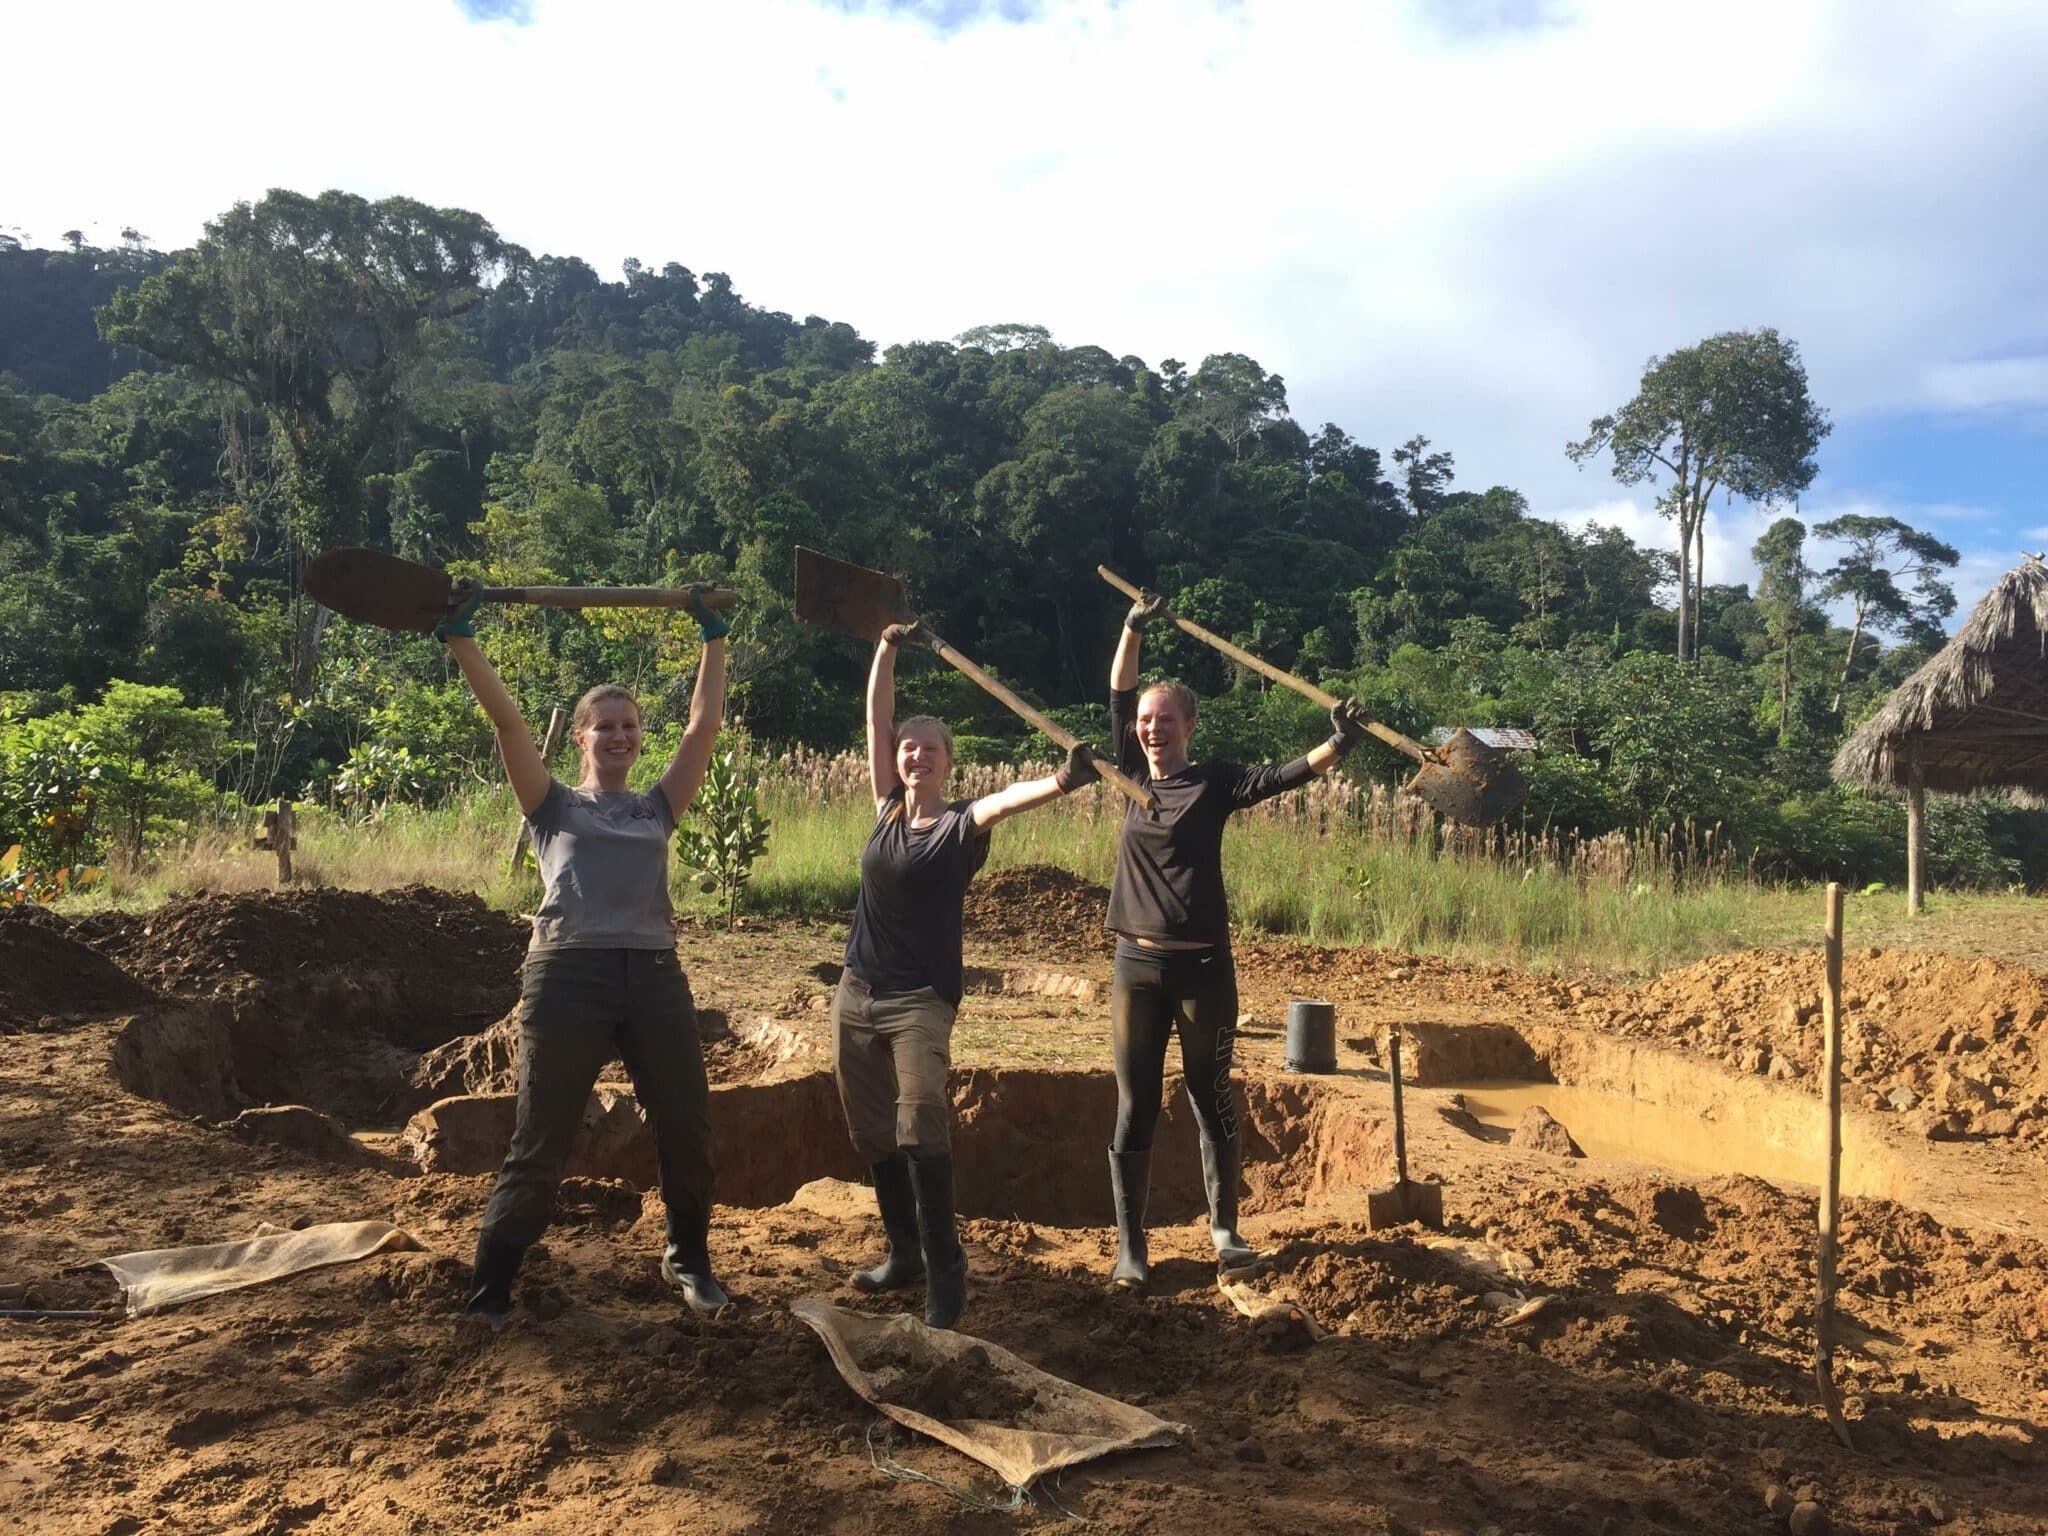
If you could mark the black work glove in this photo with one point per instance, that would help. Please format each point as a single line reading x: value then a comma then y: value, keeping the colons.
x: 1078, y: 771
x: 1149, y: 606
x: 901, y: 634
x: 1348, y: 719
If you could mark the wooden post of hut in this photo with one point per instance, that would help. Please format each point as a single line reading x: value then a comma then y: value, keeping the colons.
x: 557, y: 718
x: 1916, y: 827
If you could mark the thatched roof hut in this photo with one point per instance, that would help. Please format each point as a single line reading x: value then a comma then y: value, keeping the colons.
x: 1973, y: 719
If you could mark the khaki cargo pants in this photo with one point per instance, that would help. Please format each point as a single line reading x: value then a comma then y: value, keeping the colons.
x: 890, y: 1055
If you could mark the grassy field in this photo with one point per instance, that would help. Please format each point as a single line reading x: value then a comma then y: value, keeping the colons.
x: 1322, y: 878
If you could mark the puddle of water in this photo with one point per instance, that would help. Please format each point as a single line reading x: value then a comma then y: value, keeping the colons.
x: 1610, y: 1125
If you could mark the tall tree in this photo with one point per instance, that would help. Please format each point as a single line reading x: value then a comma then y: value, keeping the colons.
x: 1883, y: 555
x: 1426, y: 476
x: 1783, y: 596
x: 1729, y: 414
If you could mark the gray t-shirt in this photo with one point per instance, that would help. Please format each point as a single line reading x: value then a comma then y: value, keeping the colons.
x: 603, y: 868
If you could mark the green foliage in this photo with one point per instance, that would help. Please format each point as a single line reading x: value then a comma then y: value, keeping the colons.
x: 726, y: 831
x: 50, y: 793
x: 154, y: 751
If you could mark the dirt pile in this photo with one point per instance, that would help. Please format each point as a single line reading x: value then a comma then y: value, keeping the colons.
x: 1040, y: 906
x: 965, y: 1387
x: 1956, y: 1041
x: 198, y: 943
x: 47, y: 971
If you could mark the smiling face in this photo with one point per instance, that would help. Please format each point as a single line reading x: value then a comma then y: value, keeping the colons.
x: 923, y: 760
x: 1164, y: 724
x: 610, y: 739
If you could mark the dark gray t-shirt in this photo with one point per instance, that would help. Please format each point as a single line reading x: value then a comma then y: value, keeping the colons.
x: 913, y: 885
x: 604, y: 869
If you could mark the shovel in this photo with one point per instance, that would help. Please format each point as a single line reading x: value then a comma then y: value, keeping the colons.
x: 1463, y: 780
x: 372, y: 587
x: 1402, y: 1201
x: 833, y: 594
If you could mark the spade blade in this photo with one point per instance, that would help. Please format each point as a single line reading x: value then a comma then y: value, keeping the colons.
x: 1466, y: 781
x: 372, y: 587
x: 836, y: 594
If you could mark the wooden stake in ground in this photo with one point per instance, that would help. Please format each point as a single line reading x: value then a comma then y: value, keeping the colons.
x: 1831, y: 1185
x: 557, y: 718
x: 281, y: 840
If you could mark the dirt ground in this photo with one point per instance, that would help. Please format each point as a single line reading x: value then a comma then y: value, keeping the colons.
x: 1663, y: 1383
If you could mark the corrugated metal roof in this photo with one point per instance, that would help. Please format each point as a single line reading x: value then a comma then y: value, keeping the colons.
x: 1511, y: 738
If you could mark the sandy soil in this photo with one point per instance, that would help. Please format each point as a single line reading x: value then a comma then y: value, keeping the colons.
x: 1664, y: 1385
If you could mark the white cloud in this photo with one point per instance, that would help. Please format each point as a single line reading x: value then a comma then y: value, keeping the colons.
x: 1427, y: 221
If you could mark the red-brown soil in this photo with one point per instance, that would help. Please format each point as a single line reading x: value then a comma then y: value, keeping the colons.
x: 1663, y: 1386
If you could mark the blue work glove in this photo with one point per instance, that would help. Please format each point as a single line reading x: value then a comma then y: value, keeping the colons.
x: 711, y: 624
x: 461, y: 619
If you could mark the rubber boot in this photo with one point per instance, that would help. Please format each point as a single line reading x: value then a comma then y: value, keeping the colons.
x: 687, y: 1263
x: 945, y: 1264
x: 904, y: 1265
x: 1220, y: 1167
x: 1130, y: 1183
x: 490, y: 1280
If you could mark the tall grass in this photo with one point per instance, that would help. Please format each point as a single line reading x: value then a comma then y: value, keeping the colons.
x: 1335, y: 862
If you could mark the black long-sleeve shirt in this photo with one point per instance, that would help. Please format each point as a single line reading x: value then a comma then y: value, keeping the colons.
x: 1169, y: 861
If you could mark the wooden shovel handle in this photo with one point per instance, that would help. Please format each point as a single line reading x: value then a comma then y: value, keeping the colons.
x: 1136, y: 792
x: 610, y: 597
x: 1245, y: 658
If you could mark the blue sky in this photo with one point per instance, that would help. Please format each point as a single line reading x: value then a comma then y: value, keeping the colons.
x: 1475, y: 219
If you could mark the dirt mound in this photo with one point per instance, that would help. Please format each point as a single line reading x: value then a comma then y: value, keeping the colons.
x: 193, y: 943
x: 962, y: 1388
x: 47, y: 972
x: 1954, y: 1039
x: 1038, y: 905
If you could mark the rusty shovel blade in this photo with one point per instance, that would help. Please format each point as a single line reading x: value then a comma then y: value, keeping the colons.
x: 372, y: 587
x: 1467, y: 781
x: 835, y: 594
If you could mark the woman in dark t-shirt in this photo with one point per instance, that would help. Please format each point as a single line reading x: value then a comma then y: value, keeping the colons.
x: 1173, y: 967
x: 892, y: 1020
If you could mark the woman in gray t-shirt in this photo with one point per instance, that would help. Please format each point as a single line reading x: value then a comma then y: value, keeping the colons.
x: 601, y: 977
x: 892, y: 1020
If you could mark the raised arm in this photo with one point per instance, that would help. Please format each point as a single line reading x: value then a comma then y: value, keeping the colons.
x: 685, y: 771
x: 1079, y: 769
x: 1123, y: 671
x: 525, y: 769
x: 882, y: 713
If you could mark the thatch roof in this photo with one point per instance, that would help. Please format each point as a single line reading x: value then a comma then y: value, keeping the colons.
x: 1976, y: 715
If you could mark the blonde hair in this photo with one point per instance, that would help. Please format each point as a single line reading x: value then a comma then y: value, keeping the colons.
x: 1180, y: 693
x: 603, y: 693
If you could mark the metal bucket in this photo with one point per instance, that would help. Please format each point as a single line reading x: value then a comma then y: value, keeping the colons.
x: 1311, y: 1036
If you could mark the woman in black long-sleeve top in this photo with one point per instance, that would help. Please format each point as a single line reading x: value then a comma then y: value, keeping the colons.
x: 1174, y: 972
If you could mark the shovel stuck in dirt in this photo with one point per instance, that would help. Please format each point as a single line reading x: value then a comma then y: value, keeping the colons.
x: 1463, y: 780
x: 1404, y: 1200
x: 372, y: 587
x: 837, y: 595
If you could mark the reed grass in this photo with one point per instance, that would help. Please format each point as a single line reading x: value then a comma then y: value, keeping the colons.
x: 1335, y: 863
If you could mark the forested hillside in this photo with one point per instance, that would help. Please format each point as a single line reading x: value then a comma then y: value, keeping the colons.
x: 178, y: 433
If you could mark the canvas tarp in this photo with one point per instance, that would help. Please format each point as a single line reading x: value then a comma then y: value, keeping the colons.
x: 163, y: 1277
x: 1063, y: 1425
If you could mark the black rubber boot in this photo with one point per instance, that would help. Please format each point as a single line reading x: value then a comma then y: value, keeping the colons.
x: 1220, y: 1167
x: 1130, y: 1183
x: 490, y: 1280
x: 687, y: 1264
x: 945, y: 1264
x: 898, y: 1201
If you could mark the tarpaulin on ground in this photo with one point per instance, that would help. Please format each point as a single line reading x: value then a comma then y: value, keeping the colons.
x: 977, y: 1397
x: 164, y: 1277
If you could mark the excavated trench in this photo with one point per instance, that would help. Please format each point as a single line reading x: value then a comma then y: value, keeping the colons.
x: 1639, y: 1103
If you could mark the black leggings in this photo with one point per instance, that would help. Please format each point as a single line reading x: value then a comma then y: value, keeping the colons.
x: 1155, y: 994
